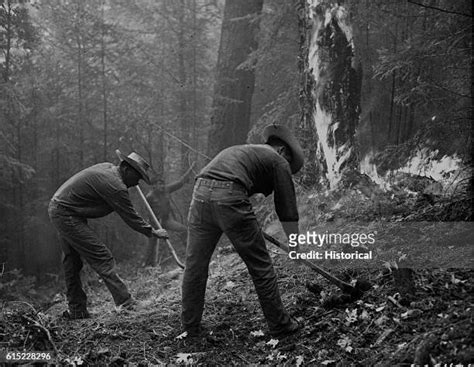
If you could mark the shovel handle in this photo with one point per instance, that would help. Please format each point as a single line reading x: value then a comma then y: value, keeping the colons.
x: 345, y: 287
x: 157, y: 224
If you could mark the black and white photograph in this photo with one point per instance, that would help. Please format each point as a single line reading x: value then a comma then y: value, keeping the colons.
x: 236, y: 183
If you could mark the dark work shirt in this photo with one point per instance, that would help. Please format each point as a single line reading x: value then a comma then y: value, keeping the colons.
x: 97, y: 191
x: 260, y: 169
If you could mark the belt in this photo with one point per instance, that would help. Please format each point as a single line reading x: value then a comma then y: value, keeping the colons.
x: 60, y: 205
x: 220, y: 184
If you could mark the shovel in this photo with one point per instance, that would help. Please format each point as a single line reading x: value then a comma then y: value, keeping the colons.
x: 355, y: 291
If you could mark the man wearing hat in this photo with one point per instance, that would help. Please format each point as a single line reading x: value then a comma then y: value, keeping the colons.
x: 93, y: 193
x: 221, y: 204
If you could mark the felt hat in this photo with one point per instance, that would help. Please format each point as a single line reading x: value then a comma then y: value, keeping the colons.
x: 283, y: 133
x: 138, y: 163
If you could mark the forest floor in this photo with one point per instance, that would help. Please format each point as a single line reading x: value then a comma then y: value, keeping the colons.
x: 427, y: 319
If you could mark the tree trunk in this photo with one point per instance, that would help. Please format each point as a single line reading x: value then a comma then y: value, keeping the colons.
x: 80, y: 117
x: 104, y: 84
x: 183, y: 81
x: 234, y: 85
x: 194, y: 141
x: 80, y: 102
x: 8, y: 36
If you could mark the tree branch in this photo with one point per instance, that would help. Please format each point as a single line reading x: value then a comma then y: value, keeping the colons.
x: 439, y: 9
x: 46, y: 331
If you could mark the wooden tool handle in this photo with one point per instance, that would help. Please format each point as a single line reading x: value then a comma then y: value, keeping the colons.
x: 157, y: 224
x: 346, y: 287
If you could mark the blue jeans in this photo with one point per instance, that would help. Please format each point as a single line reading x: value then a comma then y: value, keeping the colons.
x: 79, y: 241
x: 223, y: 207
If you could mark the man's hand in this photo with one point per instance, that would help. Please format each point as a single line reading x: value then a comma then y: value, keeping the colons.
x: 160, y: 233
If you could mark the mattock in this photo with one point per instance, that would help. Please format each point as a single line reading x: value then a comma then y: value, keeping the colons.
x: 355, y: 291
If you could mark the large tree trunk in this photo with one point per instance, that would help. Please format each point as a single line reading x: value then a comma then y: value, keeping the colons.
x: 234, y: 85
x: 335, y: 90
x: 104, y: 83
x: 183, y: 81
x: 8, y: 36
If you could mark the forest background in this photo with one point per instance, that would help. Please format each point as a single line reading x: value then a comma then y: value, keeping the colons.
x: 372, y: 88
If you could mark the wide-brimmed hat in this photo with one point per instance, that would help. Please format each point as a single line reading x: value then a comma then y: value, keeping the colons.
x: 138, y: 163
x: 283, y: 133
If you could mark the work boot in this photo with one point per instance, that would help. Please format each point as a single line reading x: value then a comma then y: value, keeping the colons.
x: 198, y: 332
x: 130, y: 304
x: 292, y: 328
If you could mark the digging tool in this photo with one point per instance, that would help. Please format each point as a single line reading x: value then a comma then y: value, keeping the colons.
x: 158, y: 225
x: 156, y: 222
x: 355, y: 291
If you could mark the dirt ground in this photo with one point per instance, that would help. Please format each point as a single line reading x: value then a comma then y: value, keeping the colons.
x: 421, y: 317
x: 434, y: 326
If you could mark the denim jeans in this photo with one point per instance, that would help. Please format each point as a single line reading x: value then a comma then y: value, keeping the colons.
x: 223, y: 207
x: 78, y: 241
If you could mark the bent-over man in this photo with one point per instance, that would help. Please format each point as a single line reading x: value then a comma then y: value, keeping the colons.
x: 221, y: 204
x: 93, y: 193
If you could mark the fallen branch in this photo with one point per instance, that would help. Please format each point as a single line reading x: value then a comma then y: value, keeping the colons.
x: 46, y: 331
x: 384, y: 336
x: 242, y: 359
x: 395, y: 302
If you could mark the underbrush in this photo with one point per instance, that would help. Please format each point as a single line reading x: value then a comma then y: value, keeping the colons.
x: 425, y: 318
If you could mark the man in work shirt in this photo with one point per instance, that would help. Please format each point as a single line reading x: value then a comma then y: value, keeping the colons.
x: 93, y: 193
x: 221, y: 204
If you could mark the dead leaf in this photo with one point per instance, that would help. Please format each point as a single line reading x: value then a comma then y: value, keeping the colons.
x: 75, y: 361
x: 323, y: 353
x: 103, y: 351
x: 381, y: 320
x: 351, y: 316
x: 328, y: 361
x: 345, y: 343
x: 182, y: 335
x: 299, y: 361
x: 229, y: 285
x: 257, y: 333
x: 184, y: 358
x: 454, y: 280
x: 364, y: 315
x: 411, y: 314
x: 379, y: 309
x: 273, y: 342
